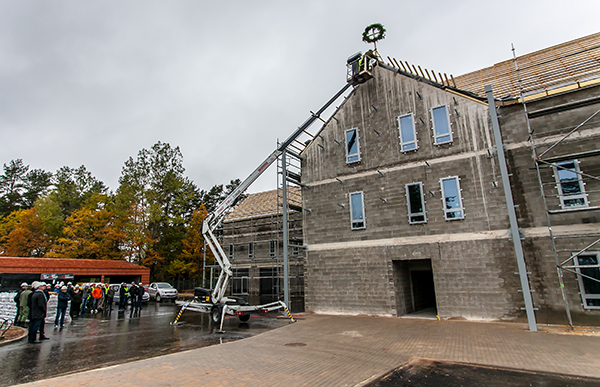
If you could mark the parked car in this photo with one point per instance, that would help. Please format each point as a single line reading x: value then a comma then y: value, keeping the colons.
x: 162, y: 291
x: 117, y: 288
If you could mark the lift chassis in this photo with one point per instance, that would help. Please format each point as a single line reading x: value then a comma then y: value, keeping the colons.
x: 214, y: 301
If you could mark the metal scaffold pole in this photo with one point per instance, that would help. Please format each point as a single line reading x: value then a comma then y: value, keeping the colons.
x: 541, y: 185
x: 284, y: 209
x: 512, y: 215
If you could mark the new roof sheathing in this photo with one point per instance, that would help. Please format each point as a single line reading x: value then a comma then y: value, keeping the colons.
x: 568, y: 65
x: 263, y: 204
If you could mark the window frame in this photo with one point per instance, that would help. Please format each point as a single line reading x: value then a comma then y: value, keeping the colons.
x: 408, y: 204
x: 243, y: 281
x: 250, y: 250
x: 460, y: 200
x: 403, y: 143
x: 272, y: 248
x: 348, y: 155
x: 580, y: 279
x: 364, y: 218
x: 561, y: 196
x: 436, y: 136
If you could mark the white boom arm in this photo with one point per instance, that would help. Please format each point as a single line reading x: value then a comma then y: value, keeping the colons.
x: 212, y: 220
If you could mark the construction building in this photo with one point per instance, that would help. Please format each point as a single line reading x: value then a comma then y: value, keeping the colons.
x: 253, y: 240
x: 404, y: 209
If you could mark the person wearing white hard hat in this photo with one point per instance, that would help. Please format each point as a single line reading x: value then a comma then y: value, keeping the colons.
x: 46, y: 287
x: 38, y: 312
x: 61, y: 307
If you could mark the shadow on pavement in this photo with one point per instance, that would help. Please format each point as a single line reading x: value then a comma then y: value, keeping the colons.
x: 425, y: 373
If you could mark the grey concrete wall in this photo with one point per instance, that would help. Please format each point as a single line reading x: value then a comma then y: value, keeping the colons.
x: 472, y: 279
x: 473, y: 261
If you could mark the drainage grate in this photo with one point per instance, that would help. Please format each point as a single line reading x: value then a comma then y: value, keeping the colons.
x: 295, y: 345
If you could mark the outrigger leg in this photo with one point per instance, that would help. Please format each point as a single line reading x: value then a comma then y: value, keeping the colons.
x: 267, y: 307
x: 184, y: 307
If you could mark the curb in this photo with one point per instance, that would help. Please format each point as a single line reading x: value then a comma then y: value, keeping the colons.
x: 23, y: 335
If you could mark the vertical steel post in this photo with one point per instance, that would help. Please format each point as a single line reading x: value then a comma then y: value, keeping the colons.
x: 559, y: 271
x: 512, y: 215
x: 203, y: 263
x: 284, y: 209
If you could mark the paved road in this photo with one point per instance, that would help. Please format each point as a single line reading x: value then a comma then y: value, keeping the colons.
x: 101, y: 340
x: 348, y: 351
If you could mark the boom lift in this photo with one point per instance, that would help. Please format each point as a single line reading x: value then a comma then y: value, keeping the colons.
x: 215, y: 302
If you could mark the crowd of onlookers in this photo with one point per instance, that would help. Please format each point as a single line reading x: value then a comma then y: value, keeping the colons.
x: 32, y: 302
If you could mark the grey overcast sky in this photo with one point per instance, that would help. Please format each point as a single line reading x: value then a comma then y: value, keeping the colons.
x: 93, y: 82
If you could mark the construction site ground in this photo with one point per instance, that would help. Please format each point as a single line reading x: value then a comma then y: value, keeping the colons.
x: 322, y: 350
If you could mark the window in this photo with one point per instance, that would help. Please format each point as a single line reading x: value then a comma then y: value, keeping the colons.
x: 589, y: 288
x: 295, y: 250
x: 408, y: 134
x: 357, y: 211
x: 272, y: 248
x: 441, y: 125
x: 251, y: 250
x: 352, y: 148
x: 570, y: 184
x: 416, y: 203
x: 453, y: 208
x: 239, y: 282
x: 231, y: 250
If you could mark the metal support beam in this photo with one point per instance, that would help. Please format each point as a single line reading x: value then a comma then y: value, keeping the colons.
x: 512, y: 215
x: 286, y: 231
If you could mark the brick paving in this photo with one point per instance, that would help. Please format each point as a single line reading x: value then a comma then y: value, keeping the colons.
x: 348, y: 351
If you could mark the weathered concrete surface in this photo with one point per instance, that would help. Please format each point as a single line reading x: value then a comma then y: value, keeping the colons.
x: 346, y: 351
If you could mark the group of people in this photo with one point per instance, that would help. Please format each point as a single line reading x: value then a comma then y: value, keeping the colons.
x: 32, y: 303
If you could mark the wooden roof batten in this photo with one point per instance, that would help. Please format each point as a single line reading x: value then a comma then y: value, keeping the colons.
x: 424, y: 75
x: 566, y: 66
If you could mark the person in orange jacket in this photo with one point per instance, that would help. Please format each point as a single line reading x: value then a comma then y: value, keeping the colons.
x: 97, y: 295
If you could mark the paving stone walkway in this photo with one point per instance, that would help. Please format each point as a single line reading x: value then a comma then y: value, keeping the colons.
x: 350, y: 351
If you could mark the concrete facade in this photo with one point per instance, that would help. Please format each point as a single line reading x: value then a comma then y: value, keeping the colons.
x: 468, y: 263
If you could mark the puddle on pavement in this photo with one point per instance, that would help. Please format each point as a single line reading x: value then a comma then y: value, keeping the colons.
x: 101, y: 340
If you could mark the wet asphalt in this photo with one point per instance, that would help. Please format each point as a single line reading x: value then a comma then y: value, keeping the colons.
x: 101, y: 340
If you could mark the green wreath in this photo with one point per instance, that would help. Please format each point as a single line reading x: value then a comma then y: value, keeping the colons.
x: 377, y: 30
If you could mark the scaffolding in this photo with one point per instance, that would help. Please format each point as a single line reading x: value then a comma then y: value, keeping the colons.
x: 255, y: 239
x: 565, y: 162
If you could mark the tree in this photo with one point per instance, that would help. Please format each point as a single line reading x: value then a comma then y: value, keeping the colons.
x: 217, y: 194
x: 37, y: 182
x: 73, y: 186
x: 7, y: 225
x: 27, y: 239
x: 194, y: 245
x: 19, y: 189
x: 51, y: 216
x: 158, y: 200
x: 91, y: 232
x: 11, y: 186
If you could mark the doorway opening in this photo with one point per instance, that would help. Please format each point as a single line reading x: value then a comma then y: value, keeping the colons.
x: 415, y: 288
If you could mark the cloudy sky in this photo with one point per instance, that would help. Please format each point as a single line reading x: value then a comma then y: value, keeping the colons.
x: 93, y: 82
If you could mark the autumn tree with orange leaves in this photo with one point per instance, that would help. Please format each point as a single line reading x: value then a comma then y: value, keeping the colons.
x: 153, y: 219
